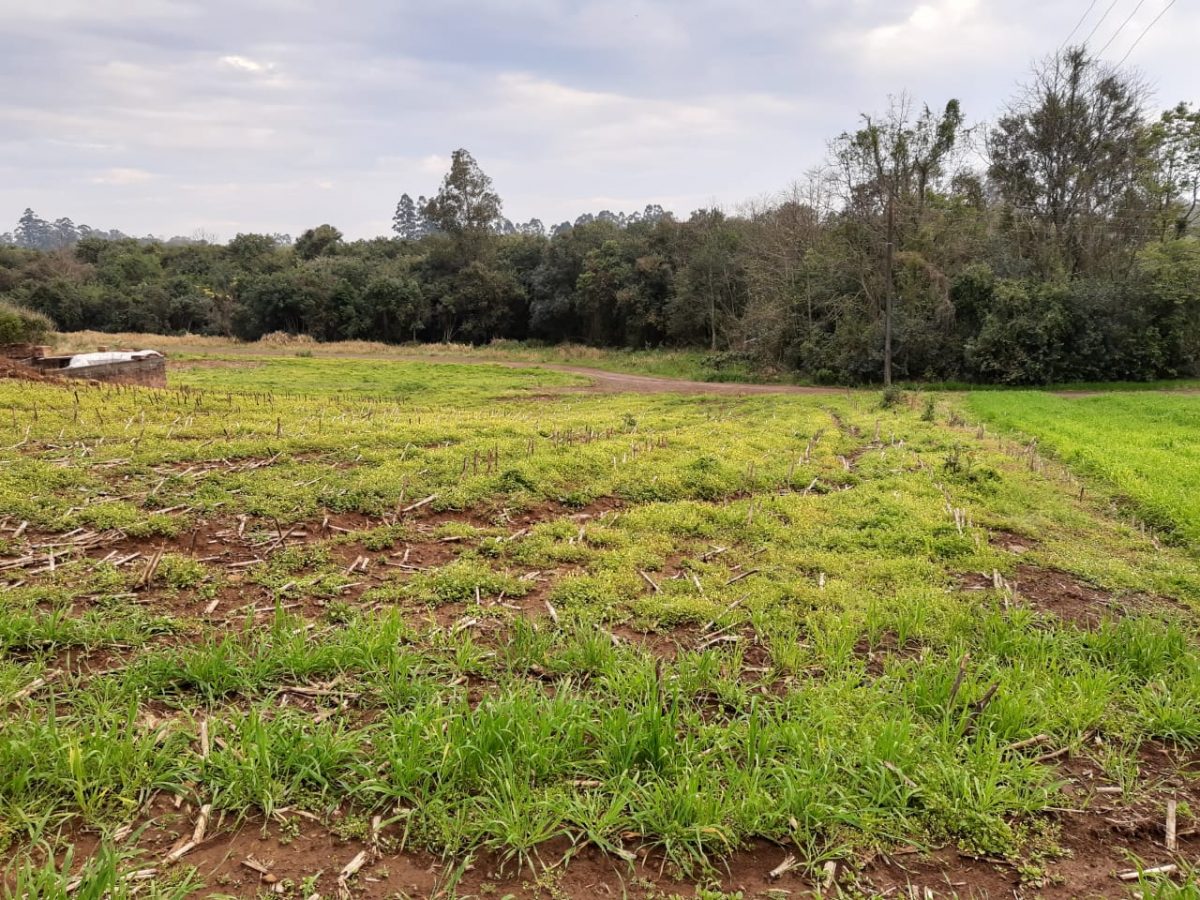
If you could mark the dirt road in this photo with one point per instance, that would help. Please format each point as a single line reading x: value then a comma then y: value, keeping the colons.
x: 605, y: 382
x: 602, y: 381
x: 622, y: 382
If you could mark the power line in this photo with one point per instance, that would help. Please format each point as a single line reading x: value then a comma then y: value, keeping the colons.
x: 1101, y: 22
x: 1147, y: 29
x: 1128, y: 19
x: 1086, y: 12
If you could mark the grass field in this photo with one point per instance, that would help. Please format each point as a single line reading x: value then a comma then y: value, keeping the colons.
x: 1145, y: 447
x: 442, y: 384
x: 695, y: 365
x: 320, y: 627
x: 688, y: 364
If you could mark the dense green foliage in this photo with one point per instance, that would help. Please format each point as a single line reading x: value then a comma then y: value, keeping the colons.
x: 1072, y: 256
x: 1144, y: 446
x: 19, y: 325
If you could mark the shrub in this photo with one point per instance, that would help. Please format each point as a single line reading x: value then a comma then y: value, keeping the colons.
x: 284, y: 339
x: 929, y: 409
x: 19, y: 325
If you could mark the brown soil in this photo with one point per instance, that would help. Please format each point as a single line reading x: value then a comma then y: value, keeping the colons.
x: 852, y: 458
x: 12, y: 369
x: 294, y: 847
x: 1099, y: 832
x: 940, y: 873
x: 1055, y: 593
x: 217, y: 543
x: 1012, y: 542
x: 1112, y: 829
x: 1063, y: 595
x: 663, y: 644
x: 217, y: 540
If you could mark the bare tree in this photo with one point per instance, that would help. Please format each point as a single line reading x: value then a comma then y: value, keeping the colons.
x: 783, y: 234
x: 886, y: 170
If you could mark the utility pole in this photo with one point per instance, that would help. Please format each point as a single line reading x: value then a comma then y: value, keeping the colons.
x: 888, y: 287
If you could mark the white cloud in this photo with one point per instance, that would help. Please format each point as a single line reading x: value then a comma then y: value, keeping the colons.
x: 433, y: 164
x: 123, y: 176
x: 619, y: 127
x: 570, y: 105
x: 82, y: 145
x: 937, y: 32
x: 245, y: 64
x: 73, y: 11
x: 639, y: 23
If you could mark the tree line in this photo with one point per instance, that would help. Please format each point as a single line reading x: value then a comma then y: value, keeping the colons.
x: 1057, y: 244
x: 35, y: 233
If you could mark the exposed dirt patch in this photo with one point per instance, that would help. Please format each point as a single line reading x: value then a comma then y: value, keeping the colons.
x: 216, y: 542
x: 481, y: 516
x: 549, y: 510
x: 850, y: 430
x: 851, y: 459
x: 1053, y: 592
x: 1063, y: 595
x: 941, y: 873
x: 64, y: 666
x: 11, y: 369
x: 238, y: 541
x: 415, y: 556
x: 1101, y: 831
x: 1112, y: 829
x: 664, y: 645
x: 244, y: 599
x: 237, y: 547
x: 253, y: 857
x: 224, y: 541
x: 1011, y: 542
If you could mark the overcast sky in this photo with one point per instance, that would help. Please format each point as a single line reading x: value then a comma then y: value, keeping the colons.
x: 173, y: 116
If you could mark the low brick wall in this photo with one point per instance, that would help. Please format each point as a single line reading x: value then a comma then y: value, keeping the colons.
x: 23, y: 351
x: 146, y: 372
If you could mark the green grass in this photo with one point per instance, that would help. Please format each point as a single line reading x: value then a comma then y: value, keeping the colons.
x: 1070, y: 387
x: 676, y: 624
x: 689, y: 364
x: 106, y: 875
x: 1147, y: 448
x: 425, y: 384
